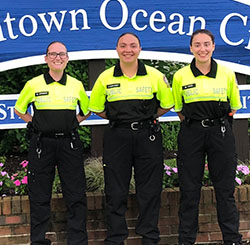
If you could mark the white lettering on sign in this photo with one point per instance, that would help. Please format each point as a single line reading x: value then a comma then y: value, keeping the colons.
x: 134, y: 19
x: 3, y: 113
x: 7, y: 112
x: 53, y: 20
x: 224, y: 25
x: 124, y: 17
x: 11, y: 109
x: 74, y: 14
x: 244, y: 101
x: 157, y: 21
x: 28, y: 24
x: 8, y: 21
x: 33, y: 23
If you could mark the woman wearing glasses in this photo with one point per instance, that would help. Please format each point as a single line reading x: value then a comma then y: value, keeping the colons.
x: 54, y: 96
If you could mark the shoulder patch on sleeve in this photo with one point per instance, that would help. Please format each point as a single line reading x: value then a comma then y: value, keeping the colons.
x: 166, y: 81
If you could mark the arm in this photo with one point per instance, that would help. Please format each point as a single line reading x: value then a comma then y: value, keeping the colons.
x: 24, y: 100
x: 181, y: 116
x: 26, y: 117
x: 162, y: 111
x: 233, y: 94
x: 82, y: 118
x: 102, y: 114
x: 98, y: 99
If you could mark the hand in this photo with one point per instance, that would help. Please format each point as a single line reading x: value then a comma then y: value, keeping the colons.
x: 81, y: 118
x: 231, y: 114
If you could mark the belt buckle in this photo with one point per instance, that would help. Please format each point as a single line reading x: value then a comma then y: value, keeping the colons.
x: 205, y: 123
x: 133, y: 126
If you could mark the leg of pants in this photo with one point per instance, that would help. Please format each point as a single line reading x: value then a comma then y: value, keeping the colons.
x: 148, y: 165
x: 190, y: 162
x: 72, y: 176
x: 222, y: 163
x: 41, y: 176
x: 117, y: 160
x: 194, y: 142
x: 122, y: 149
x: 40, y: 179
x: 188, y: 216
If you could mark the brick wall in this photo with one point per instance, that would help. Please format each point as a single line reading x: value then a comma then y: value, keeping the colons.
x: 14, y: 218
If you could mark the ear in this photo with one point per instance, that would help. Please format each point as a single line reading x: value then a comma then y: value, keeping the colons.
x: 213, y: 47
x: 190, y: 48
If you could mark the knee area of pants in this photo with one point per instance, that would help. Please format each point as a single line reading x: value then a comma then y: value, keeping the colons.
x: 190, y: 194
x: 224, y: 192
x: 116, y: 197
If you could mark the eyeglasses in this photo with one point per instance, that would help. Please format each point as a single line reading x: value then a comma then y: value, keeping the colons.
x: 53, y: 55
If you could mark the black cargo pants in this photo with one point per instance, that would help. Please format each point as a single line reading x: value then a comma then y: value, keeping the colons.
x: 125, y: 148
x: 41, y: 171
x: 197, y: 143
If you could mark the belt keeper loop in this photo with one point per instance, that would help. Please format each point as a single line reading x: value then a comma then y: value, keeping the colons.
x: 73, y: 144
x: 38, y: 145
x: 187, y: 121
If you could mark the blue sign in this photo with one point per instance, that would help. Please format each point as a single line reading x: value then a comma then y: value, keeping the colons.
x: 90, y: 29
x: 8, y: 119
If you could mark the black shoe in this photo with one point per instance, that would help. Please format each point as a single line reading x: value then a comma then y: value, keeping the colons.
x: 234, y: 243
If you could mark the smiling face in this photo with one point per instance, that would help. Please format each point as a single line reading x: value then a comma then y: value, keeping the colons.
x: 202, y: 47
x: 128, y: 49
x: 57, y: 57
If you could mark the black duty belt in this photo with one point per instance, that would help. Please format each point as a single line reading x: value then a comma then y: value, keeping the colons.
x: 56, y: 135
x: 205, y: 123
x: 134, y: 125
x: 39, y: 135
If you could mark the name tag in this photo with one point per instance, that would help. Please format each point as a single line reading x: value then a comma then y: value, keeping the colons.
x: 115, y: 85
x: 189, y: 86
x: 42, y: 93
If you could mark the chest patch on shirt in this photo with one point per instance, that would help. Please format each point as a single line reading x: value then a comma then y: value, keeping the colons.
x: 189, y: 86
x: 42, y: 93
x: 115, y: 85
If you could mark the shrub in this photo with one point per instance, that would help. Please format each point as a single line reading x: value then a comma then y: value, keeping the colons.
x: 169, y: 135
x: 95, y: 176
x: 170, y: 177
x: 20, y: 179
x: 6, y: 184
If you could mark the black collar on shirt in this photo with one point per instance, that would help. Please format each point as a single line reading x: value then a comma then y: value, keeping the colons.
x: 141, y: 71
x: 211, y: 73
x: 49, y: 79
